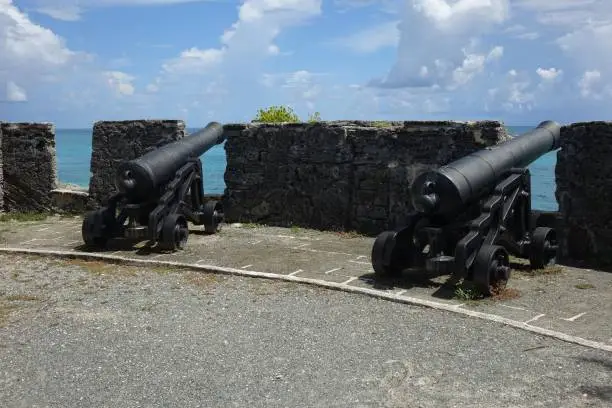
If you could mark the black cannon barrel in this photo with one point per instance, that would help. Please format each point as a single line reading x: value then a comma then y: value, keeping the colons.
x: 140, y: 178
x: 448, y: 189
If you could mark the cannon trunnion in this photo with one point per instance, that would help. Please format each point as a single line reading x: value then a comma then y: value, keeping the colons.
x: 472, y: 214
x: 158, y: 193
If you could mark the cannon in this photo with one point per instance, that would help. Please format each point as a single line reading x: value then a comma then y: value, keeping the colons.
x: 470, y: 215
x: 157, y: 194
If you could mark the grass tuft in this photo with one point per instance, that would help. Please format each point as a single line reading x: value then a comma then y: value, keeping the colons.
x: 24, y: 216
x: 22, y: 297
x: 350, y: 234
x: 250, y: 225
x: 296, y: 229
x: 381, y: 124
x: 505, y: 294
x: 549, y: 270
x: 5, y: 311
x: 103, y: 268
x: 202, y: 280
x: 466, y: 292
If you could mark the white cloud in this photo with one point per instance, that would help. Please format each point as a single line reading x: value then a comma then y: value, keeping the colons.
x: 236, y: 64
x: 436, y: 34
x: 590, y: 45
x: 66, y: 13
x: 259, y: 23
x: 532, y: 35
x: 521, y: 32
x: 194, y: 61
x: 120, y: 62
x: 120, y: 82
x: 14, y: 93
x: 31, y: 55
x: 513, y: 93
x: 72, y: 10
x: 22, y: 41
x: 459, y: 16
x: 496, y: 53
x: 549, y: 74
x: 388, y: 7
x: 303, y: 87
x: 273, y: 49
x: 354, y: 3
x: 590, y: 83
x: 440, y: 53
x: 153, y: 87
x: 472, y: 65
x: 39, y: 67
x: 452, y: 60
x: 586, y: 27
x: 203, y: 79
x: 371, y: 39
x: 547, y: 5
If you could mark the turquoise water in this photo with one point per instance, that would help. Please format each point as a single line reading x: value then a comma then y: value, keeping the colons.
x: 74, y: 153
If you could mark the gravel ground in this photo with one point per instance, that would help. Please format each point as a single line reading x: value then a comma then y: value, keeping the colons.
x: 83, y: 334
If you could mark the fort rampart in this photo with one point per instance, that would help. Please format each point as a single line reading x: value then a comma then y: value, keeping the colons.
x: 344, y: 175
x: 339, y: 175
x: 584, y: 192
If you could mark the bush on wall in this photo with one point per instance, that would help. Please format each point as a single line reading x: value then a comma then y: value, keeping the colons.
x: 280, y: 114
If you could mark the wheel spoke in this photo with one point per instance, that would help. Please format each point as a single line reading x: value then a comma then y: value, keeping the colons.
x: 543, y: 248
x: 175, y: 232
x: 491, y: 269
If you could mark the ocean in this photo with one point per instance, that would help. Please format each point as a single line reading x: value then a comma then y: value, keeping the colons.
x: 74, y: 153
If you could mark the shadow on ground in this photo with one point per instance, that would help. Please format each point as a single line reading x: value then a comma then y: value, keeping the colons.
x: 601, y: 392
x: 120, y: 244
x: 445, y: 285
x: 414, y: 278
x: 139, y: 246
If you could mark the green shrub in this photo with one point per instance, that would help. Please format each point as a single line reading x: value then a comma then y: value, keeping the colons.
x: 276, y: 114
x: 314, y: 117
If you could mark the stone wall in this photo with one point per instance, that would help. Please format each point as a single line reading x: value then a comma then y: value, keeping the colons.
x: 115, y: 142
x: 335, y: 175
x: 29, y: 168
x: 339, y: 175
x: 584, y: 192
x: 68, y: 199
x: 1, y: 172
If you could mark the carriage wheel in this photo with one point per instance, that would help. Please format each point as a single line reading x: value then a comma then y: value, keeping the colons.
x: 92, y: 223
x: 174, y: 233
x: 383, y: 249
x: 212, y: 215
x: 491, y: 269
x: 543, y: 250
x: 391, y: 254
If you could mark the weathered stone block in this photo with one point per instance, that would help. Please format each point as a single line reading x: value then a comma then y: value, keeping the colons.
x: 116, y: 142
x: 29, y: 166
x: 1, y: 172
x: 68, y: 201
x: 584, y: 193
x: 387, y: 160
x: 339, y: 175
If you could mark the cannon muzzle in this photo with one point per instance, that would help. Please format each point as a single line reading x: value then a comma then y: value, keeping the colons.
x: 447, y: 190
x: 142, y: 177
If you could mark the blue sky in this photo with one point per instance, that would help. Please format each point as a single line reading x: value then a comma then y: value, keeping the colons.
x: 75, y: 62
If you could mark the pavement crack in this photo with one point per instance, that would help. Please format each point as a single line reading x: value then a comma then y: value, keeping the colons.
x: 534, y: 348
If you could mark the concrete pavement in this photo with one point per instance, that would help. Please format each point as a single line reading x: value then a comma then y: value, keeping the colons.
x: 571, y: 304
x: 77, y: 333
